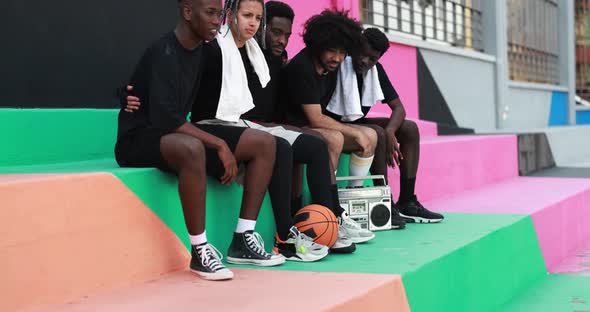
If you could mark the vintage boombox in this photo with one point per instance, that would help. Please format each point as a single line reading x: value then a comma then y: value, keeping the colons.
x: 370, y: 206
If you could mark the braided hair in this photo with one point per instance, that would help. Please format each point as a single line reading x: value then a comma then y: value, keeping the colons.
x: 234, y: 6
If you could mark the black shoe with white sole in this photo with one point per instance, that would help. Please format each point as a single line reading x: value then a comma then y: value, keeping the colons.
x: 206, y: 262
x: 413, y: 212
x: 248, y: 248
x: 397, y: 222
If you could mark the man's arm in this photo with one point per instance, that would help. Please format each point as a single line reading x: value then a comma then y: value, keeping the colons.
x: 398, y: 114
x: 317, y: 119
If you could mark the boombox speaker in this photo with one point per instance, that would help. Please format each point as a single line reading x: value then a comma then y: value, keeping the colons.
x: 370, y: 206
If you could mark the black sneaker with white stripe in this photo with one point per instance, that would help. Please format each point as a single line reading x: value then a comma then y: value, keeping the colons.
x: 397, y: 222
x: 248, y: 248
x: 206, y: 262
x: 413, y: 212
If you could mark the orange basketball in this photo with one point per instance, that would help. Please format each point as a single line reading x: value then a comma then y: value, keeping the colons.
x: 319, y: 223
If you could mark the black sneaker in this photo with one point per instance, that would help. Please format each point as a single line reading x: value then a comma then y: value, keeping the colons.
x: 413, y: 212
x: 206, y: 262
x: 248, y: 248
x: 397, y: 222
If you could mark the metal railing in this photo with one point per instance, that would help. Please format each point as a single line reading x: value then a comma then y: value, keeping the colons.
x: 533, y: 46
x: 583, y: 48
x: 450, y: 22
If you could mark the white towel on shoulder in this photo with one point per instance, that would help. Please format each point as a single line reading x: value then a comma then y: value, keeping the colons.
x: 346, y: 100
x: 235, y: 98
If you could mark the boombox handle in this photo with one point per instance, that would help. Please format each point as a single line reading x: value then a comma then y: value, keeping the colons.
x: 371, y: 177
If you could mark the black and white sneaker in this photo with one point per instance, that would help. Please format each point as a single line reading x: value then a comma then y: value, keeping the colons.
x: 248, y: 248
x: 413, y: 212
x: 206, y: 262
x: 397, y: 222
x: 343, y: 244
x: 299, y: 247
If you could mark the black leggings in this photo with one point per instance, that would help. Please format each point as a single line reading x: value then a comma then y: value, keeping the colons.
x: 308, y: 150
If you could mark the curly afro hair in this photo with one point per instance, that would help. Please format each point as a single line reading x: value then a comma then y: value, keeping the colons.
x: 332, y: 30
x: 279, y: 9
x: 376, y: 39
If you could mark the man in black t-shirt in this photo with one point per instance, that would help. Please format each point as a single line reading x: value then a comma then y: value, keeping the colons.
x: 328, y: 37
x: 159, y: 135
x: 399, y: 139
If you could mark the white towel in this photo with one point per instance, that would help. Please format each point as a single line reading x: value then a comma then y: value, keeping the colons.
x: 235, y: 98
x: 346, y: 100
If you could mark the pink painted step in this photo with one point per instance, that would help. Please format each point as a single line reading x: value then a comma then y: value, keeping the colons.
x: 253, y: 290
x: 452, y: 164
x: 427, y: 128
x: 559, y: 207
x: 577, y: 263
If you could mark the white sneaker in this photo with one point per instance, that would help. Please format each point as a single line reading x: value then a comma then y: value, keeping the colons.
x: 353, y: 230
x: 343, y: 244
x: 299, y: 247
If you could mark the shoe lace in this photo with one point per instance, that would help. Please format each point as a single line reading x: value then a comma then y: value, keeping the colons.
x: 210, y: 257
x: 256, y: 243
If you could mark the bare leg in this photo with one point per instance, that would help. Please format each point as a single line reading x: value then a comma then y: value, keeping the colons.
x: 257, y: 149
x: 335, y: 142
x: 186, y: 156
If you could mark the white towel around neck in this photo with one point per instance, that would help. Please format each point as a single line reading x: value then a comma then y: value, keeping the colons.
x: 235, y: 98
x: 346, y: 100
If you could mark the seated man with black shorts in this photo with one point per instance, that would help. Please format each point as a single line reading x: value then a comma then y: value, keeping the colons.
x: 159, y: 135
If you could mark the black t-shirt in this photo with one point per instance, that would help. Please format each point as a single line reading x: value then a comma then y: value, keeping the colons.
x: 389, y: 92
x: 305, y: 86
x: 165, y: 79
x: 207, y: 98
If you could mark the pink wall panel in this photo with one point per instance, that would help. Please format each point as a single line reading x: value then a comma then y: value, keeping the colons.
x: 400, y: 64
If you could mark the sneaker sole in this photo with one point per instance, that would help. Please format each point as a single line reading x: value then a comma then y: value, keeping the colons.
x: 360, y: 240
x: 214, y: 276
x: 412, y: 219
x: 307, y: 258
x: 344, y: 250
x: 262, y: 263
x: 398, y: 227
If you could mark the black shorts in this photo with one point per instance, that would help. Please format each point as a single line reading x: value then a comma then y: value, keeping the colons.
x: 141, y: 149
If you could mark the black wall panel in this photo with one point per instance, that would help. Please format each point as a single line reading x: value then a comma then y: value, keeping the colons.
x: 74, y: 53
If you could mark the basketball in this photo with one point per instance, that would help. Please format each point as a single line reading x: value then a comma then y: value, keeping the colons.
x: 319, y: 223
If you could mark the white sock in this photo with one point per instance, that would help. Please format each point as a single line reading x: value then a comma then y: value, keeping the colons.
x: 245, y: 225
x: 198, y: 239
x: 359, y: 166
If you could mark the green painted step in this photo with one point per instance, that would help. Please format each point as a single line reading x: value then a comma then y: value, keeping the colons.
x: 466, y: 263
x: 46, y: 136
x: 554, y: 293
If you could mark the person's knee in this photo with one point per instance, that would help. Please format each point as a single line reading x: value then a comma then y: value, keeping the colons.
x: 315, y: 144
x: 283, y: 147
x: 265, y: 144
x: 192, y: 154
x: 409, y: 131
x: 334, y: 140
x: 372, y: 136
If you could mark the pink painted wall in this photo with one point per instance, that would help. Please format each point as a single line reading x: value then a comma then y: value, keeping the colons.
x: 399, y: 62
x: 401, y: 67
x: 304, y: 9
